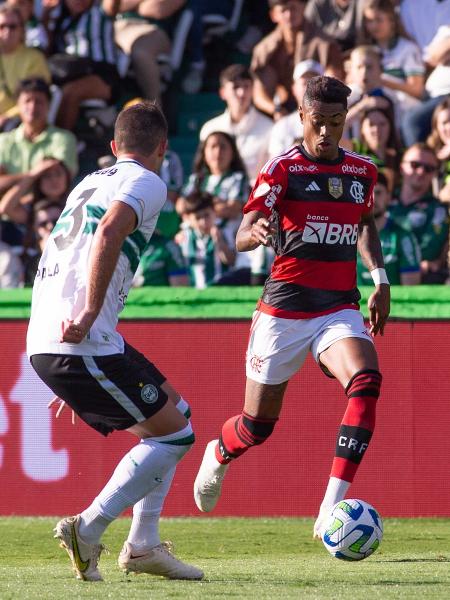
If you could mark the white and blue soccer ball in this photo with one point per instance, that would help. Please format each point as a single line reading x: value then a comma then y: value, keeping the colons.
x: 353, y: 530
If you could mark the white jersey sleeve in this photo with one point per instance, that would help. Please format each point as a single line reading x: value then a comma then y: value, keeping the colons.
x: 146, y: 194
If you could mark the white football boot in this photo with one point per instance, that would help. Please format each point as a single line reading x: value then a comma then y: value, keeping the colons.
x: 208, y: 483
x: 319, y: 525
x: 157, y: 561
x: 84, y: 556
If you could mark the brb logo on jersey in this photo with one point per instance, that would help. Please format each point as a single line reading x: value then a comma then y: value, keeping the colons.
x: 329, y: 233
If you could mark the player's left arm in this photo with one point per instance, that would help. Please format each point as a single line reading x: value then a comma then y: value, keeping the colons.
x: 117, y: 223
x: 369, y: 248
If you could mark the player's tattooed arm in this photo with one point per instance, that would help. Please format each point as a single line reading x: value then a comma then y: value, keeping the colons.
x: 255, y: 229
x: 369, y: 248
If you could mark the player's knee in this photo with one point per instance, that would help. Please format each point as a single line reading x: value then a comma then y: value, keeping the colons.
x: 364, y: 384
x: 255, y: 429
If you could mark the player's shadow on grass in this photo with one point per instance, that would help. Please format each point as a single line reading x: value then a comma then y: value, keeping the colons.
x: 438, y: 559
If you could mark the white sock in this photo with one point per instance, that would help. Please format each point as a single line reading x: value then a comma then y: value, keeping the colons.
x: 92, y: 525
x: 335, y: 492
x: 144, y: 530
x: 142, y: 469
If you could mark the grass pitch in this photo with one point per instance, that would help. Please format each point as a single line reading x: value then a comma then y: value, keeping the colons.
x: 242, y: 558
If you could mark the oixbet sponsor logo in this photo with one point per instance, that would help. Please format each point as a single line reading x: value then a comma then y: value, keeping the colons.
x: 303, y: 168
x: 354, y: 170
x: 330, y: 233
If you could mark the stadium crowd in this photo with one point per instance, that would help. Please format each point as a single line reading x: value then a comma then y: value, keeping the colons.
x: 68, y: 66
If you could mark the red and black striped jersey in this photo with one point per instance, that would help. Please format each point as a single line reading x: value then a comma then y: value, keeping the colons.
x: 317, y: 206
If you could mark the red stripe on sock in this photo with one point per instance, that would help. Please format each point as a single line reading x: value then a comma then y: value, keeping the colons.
x: 343, y: 469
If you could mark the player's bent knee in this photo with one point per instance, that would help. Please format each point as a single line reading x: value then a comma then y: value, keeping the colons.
x: 257, y: 430
x: 364, y: 383
x: 241, y: 433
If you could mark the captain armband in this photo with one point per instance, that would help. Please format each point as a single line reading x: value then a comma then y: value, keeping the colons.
x: 379, y: 276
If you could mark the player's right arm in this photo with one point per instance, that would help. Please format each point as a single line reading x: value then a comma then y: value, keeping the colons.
x: 255, y: 229
x: 117, y: 223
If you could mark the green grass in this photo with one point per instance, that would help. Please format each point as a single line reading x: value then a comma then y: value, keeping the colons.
x: 242, y: 558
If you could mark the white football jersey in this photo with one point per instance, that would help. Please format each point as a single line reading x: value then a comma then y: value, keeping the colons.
x: 59, y: 290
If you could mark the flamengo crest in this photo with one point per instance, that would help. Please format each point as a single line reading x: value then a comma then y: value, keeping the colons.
x: 335, y: 187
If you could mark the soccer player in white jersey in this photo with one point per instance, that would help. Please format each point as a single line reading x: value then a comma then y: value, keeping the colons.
x: 80, y: 288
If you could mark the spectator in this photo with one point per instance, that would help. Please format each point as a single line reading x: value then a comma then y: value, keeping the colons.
x: 50, y: 180
x: 439, y: 141
x: 418, y: 211
x: 204, y: 245
x: 26, y: 147
x: 256, y: 17
x: 403, y: 67
x: 423, y: 19
x: 43, y: 219
x: 17, y: 62
x: 339, y: 19
x: 287, y: 130
x: 294, y: 39
x: 220, y: 171
x: 171, y: 173
x: 417, y: 122
x: 84, y: 56
x: 400, y: 248
x: 141, y: 32
x: 368, y: 92
x: 241, y: 119
x: 35, y: 33
x: 11, y: 270
x: 378, y: 139
x: 161, y: 264
x: 196, y: 62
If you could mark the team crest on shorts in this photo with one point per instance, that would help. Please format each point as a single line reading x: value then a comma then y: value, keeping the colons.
x: 149, y: 393
x: 256, y: 363
x: 335, y: 187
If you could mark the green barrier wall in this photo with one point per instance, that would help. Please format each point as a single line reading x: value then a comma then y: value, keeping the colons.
x: 422, y: 302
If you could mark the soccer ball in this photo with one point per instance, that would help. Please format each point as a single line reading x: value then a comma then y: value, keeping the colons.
x: 353, y: 530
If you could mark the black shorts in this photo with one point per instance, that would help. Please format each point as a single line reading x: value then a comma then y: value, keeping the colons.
x: 107, y: 392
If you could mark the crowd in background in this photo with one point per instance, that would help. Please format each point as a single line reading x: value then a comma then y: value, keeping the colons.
x: 58, y: 57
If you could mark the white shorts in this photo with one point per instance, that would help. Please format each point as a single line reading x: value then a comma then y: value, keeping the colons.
x: 277, y: 348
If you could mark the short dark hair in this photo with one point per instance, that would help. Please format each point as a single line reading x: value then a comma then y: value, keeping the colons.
x: 234, y: 73
x: 33, y: 84
x: 198, y: 200
x: 140, y: 128
x: 326, y: 89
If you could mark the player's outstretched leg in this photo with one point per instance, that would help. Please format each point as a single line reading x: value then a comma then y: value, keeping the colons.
x: 84, y: 556
x: 353, y: 439
x: 208, y: 483
x: 143, y: 551
x: 238, y: 435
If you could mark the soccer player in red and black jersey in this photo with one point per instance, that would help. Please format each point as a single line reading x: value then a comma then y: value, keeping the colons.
x: 314, y: 205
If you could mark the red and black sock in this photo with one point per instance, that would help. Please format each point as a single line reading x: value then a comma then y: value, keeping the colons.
x: 358, y: 423
x: 240, y: 433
